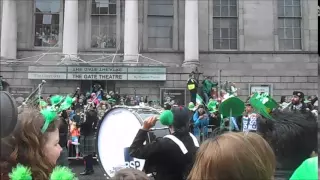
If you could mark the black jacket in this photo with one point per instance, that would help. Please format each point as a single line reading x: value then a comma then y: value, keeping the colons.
x: 88, y: 127
x: 63, y: 132
x: 166, y: 156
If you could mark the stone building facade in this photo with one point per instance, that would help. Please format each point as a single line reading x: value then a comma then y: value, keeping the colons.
x: 271, y: 42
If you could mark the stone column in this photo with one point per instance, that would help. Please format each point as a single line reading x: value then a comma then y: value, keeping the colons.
x: 70, y: 29
x: 9, y: 30
x: 191, y: 34
x: 131, y: 33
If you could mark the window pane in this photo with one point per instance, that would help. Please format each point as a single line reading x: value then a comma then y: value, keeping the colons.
x: 103, y: 7
x: 216, y: 44
x: 288, y: 11
x: 233, y: 2
x: 296, y: 23
x: 288, y: 43
x: 281, y: 23
x: 160, y: 23
x: 216, y: 2
x: 216, y: 33
x: 297, y: 32
x: 225, y: 44
x: 94, y: 9
x: 233, y: 23
x: 216, y: 23
x: 296, y: 2
x: 280, y: 3
x: 225, y: 33
x: 113, y: 9
x: 224, y: 11
x: 46, y: 6
x: 281, y: 33
x: 289, y: 33
x: 297, y: 44
x: 103, y: 31
x: 281, y: 44
x: 297, y: 11
x: 281, y: 11
x: 233, y: 33
x: 288, y: 2
x: 224, y: 2
x: 233, y: 44
x: 288, y: 23
x: 216, y: 11
x: 233, y: 11
x: 46, y: 35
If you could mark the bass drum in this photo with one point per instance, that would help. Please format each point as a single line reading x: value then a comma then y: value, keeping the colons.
x: 116, y: 133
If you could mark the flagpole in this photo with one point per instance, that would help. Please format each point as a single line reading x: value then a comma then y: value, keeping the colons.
x: 219, y: 83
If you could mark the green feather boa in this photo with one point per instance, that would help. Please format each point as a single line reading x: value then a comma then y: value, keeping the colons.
x: 24, y: 173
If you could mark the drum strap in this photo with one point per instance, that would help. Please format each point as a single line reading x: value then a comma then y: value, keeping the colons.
x: 195, y: 141
x: 180, y: 143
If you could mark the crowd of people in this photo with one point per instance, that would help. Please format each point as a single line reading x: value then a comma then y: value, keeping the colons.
x: 203, y: 142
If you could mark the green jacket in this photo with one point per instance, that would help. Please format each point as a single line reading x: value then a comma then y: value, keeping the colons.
x: 207, y: 85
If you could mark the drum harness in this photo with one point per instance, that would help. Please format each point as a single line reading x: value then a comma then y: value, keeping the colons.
x: 180, y: 143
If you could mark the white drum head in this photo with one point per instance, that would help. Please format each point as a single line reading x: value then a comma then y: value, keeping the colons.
x: 115, y: 135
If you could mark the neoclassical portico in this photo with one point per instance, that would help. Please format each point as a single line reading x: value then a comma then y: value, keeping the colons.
x: 70, y: 32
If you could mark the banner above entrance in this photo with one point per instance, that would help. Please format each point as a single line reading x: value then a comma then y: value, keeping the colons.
x: 97, y: 73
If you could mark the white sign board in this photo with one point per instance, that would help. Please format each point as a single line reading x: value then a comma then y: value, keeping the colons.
x: 147, y: 77
x: 260, y: 88
x: 47, y: 75
x: 97, y: 76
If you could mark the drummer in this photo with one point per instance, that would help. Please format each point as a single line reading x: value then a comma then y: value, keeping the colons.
x: 172, y: 156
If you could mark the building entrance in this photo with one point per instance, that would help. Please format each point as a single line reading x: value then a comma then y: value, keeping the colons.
x: 94, y: 86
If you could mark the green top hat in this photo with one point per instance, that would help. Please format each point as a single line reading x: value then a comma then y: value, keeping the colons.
x: 263, y: 103
x: 191, y: 106
x: 232, y: 106
x: 212, y: 106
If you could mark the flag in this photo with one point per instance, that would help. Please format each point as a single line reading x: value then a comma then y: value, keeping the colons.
x: 199, y: 100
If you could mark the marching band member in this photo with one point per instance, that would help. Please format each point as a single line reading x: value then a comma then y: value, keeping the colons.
x: 173, y: 155
x: 87, y: 140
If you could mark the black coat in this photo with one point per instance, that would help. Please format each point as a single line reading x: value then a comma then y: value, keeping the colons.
x: 166, y: 156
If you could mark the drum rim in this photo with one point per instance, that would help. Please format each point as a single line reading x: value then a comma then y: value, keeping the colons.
x: 98, y: 130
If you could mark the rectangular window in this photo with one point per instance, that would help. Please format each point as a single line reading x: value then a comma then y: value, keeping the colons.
x: 225, y: 24
x: 104, y: 24
x: 47, y: 14
x: 289, y: 19
x: 160, y: 24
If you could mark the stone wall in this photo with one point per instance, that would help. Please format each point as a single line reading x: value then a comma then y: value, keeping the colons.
x: 286, y: 73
